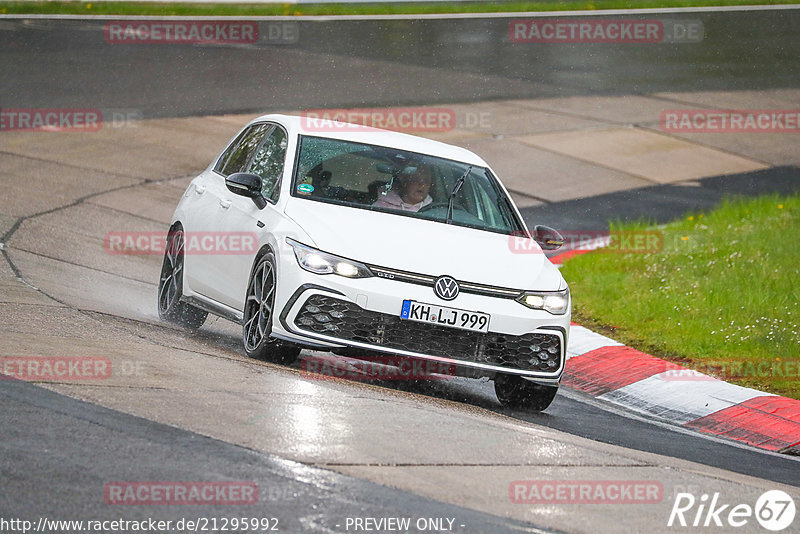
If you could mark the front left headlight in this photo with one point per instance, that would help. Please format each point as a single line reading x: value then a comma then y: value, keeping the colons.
x: 319, y: 262
x: 555, y: 302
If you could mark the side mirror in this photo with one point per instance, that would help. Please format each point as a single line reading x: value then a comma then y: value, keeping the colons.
x: 548, y: 238
x: 246, y: 185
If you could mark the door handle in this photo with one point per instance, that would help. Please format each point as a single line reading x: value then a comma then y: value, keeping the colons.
x: 199, y: 189
x: 225, y: 204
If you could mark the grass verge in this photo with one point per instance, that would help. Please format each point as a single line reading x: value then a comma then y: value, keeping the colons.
x: 401, y: 8
x: 721, y: 296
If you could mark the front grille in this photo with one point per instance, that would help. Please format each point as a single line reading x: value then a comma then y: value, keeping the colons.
x: 430, y: 281
x: 347, y: 321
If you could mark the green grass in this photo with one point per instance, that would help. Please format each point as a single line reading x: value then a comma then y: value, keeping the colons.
x: 722, y: 293
x: 187, y: 8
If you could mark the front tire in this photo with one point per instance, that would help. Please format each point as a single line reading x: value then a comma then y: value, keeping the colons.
x: 170, y: 286
x: 516, y: 392
x: 259, y: 308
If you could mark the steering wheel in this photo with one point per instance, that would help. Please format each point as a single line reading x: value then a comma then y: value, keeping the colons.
x: 434, y: 205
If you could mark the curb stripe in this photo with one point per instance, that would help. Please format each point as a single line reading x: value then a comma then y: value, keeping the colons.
x: 624, y: 376
x: 559, y: 259
x: 680, y: 400
x: 608, y: 368
x: 767, y: 422
x: 583, y: 340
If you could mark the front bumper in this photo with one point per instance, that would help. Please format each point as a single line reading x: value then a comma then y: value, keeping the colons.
x: 331, y: 311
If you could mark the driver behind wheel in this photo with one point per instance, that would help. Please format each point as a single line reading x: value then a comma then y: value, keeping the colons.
x: 410, y: 190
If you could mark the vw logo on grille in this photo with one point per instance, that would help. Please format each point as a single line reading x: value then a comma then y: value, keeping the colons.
x: 446, y: 288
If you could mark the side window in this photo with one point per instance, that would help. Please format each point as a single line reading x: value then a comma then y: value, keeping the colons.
x: 228, y: 151
x: 268, y: 163
x: 238, y: 154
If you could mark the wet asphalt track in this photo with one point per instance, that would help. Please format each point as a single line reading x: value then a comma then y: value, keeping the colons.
x: 74, y: 449
x: 66, y: 64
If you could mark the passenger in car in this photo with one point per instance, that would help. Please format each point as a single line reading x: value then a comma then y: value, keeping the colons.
x: 409, y: 192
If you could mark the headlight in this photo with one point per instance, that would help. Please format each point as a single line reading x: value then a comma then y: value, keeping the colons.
x: 555, y: 302
x: 319, y: 262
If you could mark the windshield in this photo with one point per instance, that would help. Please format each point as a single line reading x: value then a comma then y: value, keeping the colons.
x: 401, y: 182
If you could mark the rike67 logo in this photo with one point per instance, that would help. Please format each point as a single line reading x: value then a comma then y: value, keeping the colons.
x: 774, y: 510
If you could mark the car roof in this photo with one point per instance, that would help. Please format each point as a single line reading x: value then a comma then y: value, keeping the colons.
x: 297, y: 125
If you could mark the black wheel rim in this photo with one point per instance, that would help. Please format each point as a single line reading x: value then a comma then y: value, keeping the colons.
x: 258, y: 306
x: 169, y: 285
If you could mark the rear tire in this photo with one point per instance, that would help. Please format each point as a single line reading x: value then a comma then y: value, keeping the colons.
x: 258, y: 315
x: 516, y: 392
x: 170, y: 286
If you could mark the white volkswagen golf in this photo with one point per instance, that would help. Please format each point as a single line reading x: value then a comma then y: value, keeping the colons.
x: 370, y: 241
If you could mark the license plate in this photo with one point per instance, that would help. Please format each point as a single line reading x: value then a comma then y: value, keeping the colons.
x: 444, y: 316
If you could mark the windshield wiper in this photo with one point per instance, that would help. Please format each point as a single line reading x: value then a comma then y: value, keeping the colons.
x: 456, y: 188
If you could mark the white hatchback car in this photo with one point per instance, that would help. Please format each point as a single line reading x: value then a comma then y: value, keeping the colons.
x: 371, y: 241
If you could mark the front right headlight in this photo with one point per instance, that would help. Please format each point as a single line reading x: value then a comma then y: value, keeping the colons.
x: 319, y: 262
x: 555, y: 302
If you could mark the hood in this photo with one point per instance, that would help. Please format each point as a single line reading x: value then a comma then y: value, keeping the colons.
x: 425, y: 247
